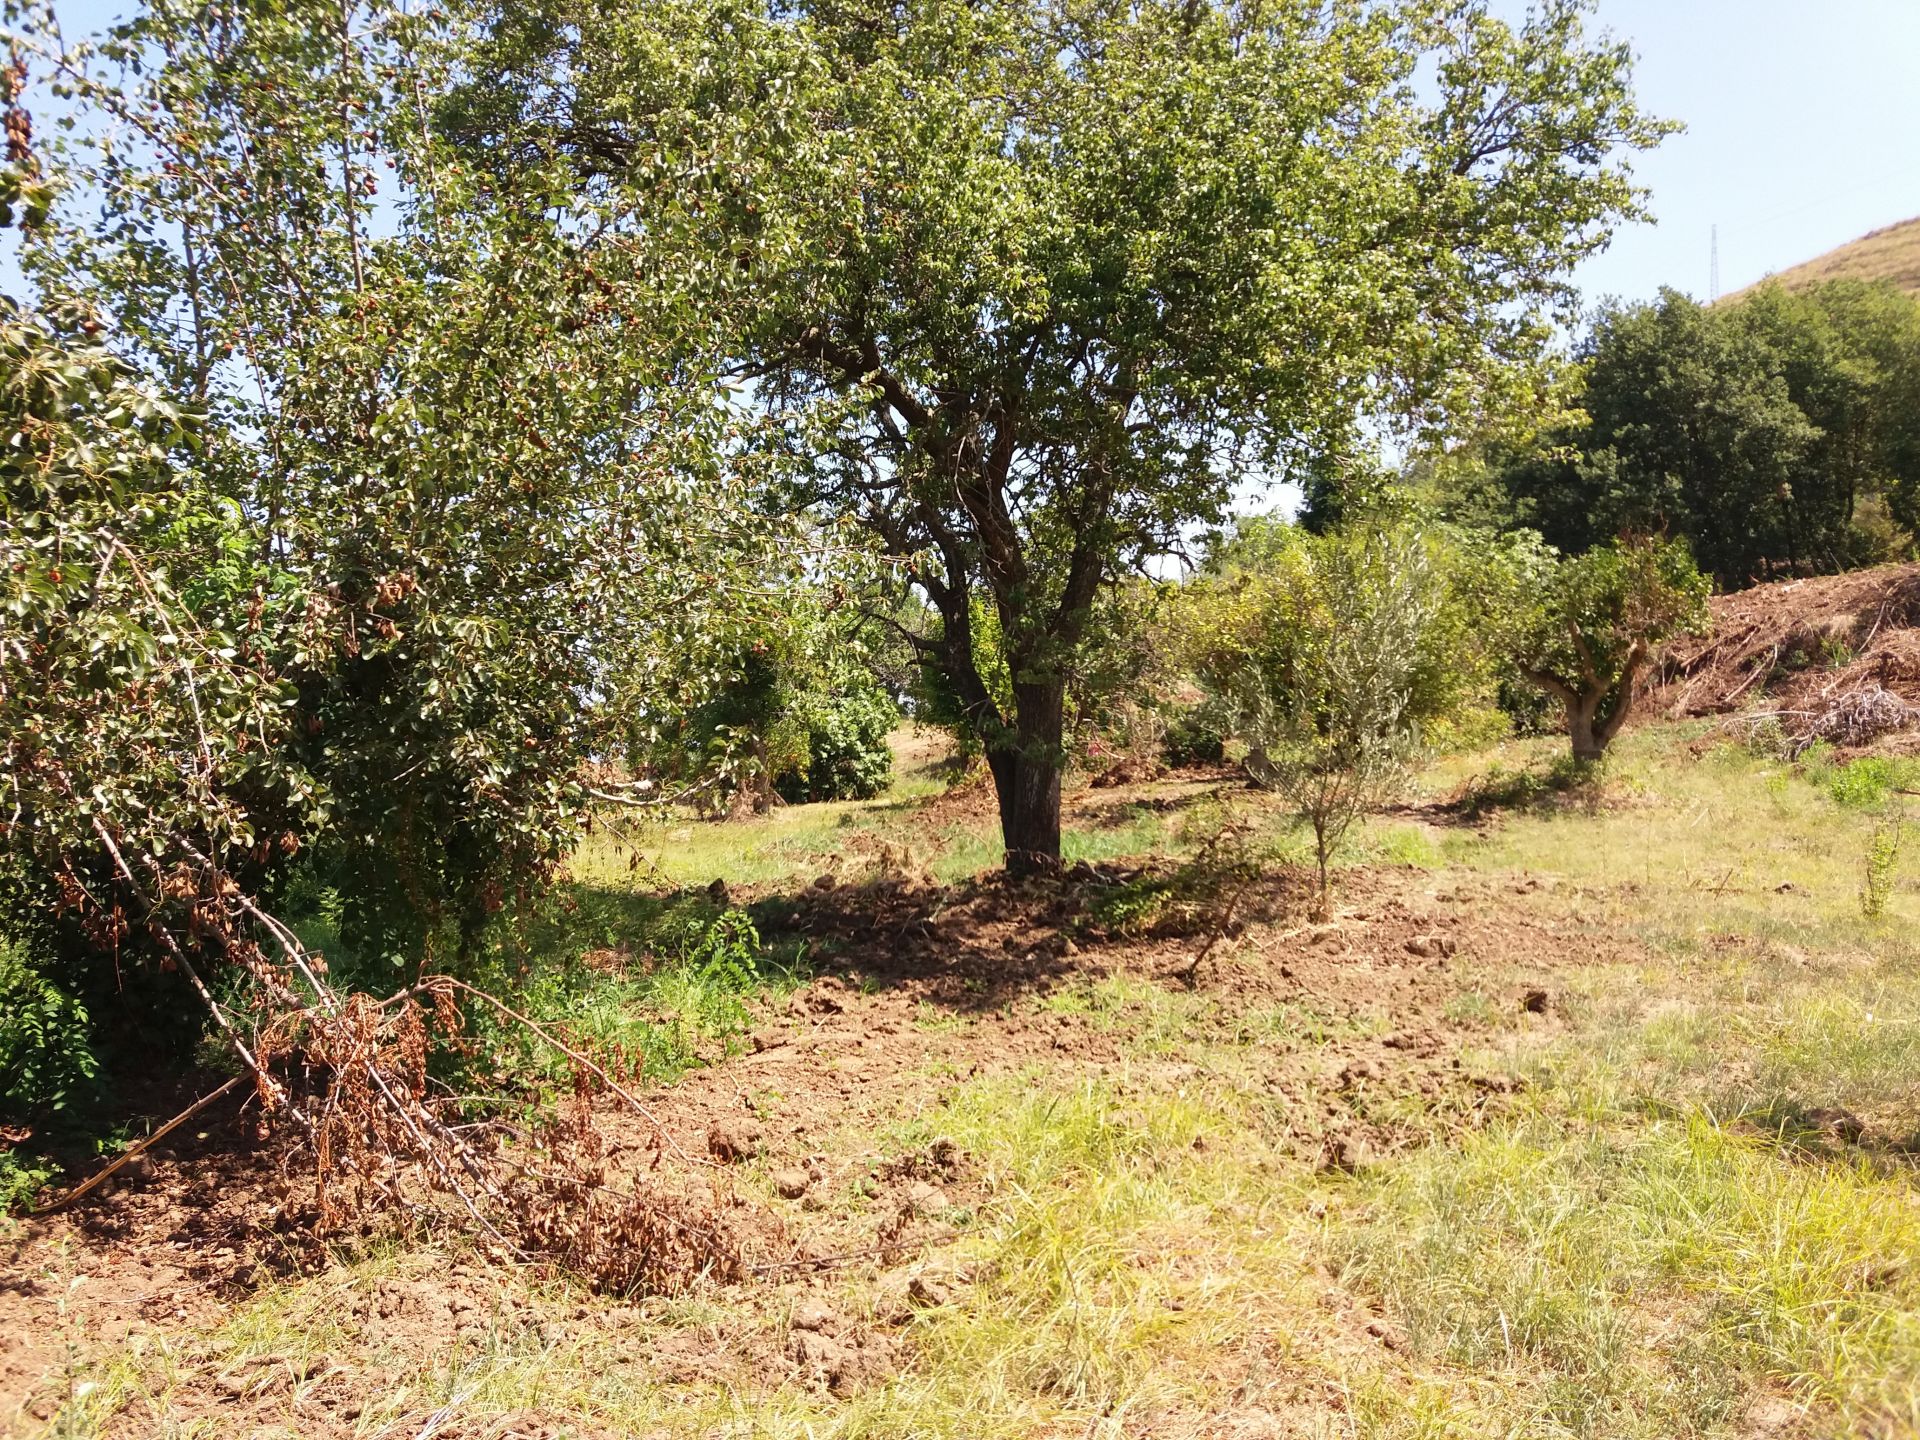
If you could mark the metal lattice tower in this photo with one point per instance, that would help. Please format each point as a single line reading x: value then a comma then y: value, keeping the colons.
x: 1713, y: 280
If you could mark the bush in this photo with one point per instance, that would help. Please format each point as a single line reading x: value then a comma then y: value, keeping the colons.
x: 1194, y: 738
x: 45, y: 1049
x: 848, y: 757
x: 1869, y: 783
x: 1333, y: 655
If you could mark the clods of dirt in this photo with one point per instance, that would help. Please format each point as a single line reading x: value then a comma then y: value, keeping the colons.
x: 1356, y: 1034
x: 732, y: 1139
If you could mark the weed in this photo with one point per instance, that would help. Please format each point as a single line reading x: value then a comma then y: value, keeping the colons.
x: 1869, y: 782
x: 1882, y: 861
x: 647, y: 1014
x: 21, y: 1179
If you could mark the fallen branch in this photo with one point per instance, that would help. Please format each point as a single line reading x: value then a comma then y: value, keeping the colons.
x: 573, y: 1055
x: 133, y: 1152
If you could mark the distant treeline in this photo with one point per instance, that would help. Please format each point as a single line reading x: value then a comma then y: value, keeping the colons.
x: 1777, y: 435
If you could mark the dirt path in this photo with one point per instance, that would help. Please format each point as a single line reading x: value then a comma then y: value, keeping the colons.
x: 1354, y: 1031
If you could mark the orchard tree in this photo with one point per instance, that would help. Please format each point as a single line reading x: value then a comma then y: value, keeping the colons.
x: 1592, y: 623
x: 469, y: 519
x: 1330, y: 656
x: 1026, y: 282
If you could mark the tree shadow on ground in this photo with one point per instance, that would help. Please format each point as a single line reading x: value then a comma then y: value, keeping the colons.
x: 979, y: 944
x: 1566, y: 786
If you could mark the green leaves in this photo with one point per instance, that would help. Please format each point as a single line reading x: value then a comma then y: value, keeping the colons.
x: 1588, y: 625
x: 459, y: 524
x: 1023, y: 286
x: 1769, y: 431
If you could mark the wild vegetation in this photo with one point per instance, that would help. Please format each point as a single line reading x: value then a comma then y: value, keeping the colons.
x: 654, y: 779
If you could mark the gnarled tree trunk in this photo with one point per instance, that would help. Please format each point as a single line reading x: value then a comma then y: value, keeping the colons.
x: 1026, y: 768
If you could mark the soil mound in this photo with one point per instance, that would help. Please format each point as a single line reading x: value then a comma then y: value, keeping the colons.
x: 1834, y: 657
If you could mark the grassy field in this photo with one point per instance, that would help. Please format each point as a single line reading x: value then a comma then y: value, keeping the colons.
x: 1687, y: 1208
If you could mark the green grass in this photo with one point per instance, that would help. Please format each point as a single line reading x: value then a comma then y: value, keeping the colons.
x: 1658, y: 1237
x: 1648, y: 1277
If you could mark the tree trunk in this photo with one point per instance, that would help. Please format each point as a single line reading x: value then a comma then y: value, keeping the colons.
x: 1587, y: 744
x: 1026, y: 779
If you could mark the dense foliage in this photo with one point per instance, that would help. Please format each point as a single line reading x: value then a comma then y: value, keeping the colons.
x: 1774, y: 433
x: 794, y: 713
x: 1331, y: 656
x: 449, y: 526
x: 1589, y: 625
x: 1027, y: 283
x: 45, y: 1049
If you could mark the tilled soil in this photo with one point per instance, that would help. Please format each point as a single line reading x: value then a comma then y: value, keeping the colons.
x: 921, y: 989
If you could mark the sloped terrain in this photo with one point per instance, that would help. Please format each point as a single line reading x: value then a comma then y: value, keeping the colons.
x: 1835, y: 657
x: 1595, y: 1115
x: 1891, y: 253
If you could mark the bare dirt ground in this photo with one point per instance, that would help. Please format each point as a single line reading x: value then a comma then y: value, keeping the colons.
x: 1796, y: 645
x: 1353, y: 1028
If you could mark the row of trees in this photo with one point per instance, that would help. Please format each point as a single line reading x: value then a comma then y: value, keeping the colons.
x: 1778, y: 433
x: 1336, y: 657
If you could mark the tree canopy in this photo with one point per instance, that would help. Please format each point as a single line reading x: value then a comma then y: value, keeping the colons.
x: 451, y: 519
x: 1586, y: 627
x: 1775, y: 433
x: 1029, y: 284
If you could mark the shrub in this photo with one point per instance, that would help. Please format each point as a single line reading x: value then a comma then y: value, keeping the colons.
x: 45, y: 1049
x: 1330, y: 659
x: 848, y: 757
x: 1194, y: 737
x: 1869, y: 783
x: 1883, y: 863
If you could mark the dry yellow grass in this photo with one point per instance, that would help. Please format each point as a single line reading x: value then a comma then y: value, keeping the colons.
x: 1891, y: 253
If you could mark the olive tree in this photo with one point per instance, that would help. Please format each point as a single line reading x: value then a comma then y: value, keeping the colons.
x: 1590, y: 624
x: 1329, y: 656
x: 1025, y: 282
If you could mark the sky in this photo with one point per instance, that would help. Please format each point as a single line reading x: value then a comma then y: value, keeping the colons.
x: 1803, y: 132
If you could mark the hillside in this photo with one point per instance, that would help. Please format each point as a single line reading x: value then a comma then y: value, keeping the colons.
x: 1835, y: 657
x: 1891, y: 253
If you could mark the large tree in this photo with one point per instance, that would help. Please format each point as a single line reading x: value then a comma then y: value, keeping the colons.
x: 1032, y: 281
x: 449, y: 506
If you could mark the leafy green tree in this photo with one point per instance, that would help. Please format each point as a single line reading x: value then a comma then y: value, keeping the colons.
x: 1757, y: 430
x: 1026, y: 283
x: 1330, y: 656
x: 798, y: 715
x: 1592, y: 623
x: 473, y: 528
x: 848, y: 757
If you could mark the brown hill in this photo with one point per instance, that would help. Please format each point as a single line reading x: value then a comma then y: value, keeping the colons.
x: 1836, y: 657
x: 1892, y: 253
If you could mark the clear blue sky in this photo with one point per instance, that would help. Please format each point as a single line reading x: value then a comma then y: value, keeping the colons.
x: 1803, y: 131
